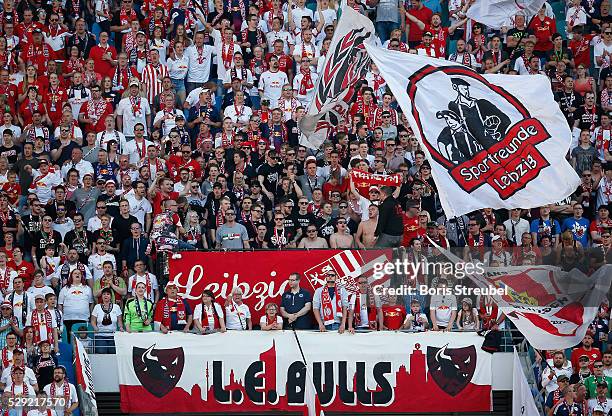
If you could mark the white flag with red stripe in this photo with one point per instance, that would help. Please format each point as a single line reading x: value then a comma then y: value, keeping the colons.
x: 313, y: 404
x: 551, y: 307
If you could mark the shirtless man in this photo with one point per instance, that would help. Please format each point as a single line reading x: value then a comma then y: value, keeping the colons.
x: 365, y: 232
x: 341, y: 238
x: 312, y: 240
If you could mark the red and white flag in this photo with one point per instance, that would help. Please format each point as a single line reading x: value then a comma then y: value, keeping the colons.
x: 346, y: 63
x: 498, y: 13
x: 311, y: 400
x: 552, y: 308
x: 496, y: 141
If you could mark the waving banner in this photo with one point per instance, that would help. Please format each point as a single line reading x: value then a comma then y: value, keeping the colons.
x: 346, y: 63
x: 263, y: 277
x: 363, y: 180
x: 388, y: 372
x: 498, y: 13
x: 551, y: 307
x: 496, y: 141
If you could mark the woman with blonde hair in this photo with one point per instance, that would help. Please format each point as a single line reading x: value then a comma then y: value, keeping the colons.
x: 271, y: 320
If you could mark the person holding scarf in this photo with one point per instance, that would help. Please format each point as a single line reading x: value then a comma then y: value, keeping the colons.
x: 138, y: 311
x: 330, y: 305
x: 43, y: 323
x: 11, y: 341
x: 271, y: 321
x: 304, y: 83
x: 172, y: 313
x: 208, y: 315
x: 365, y: 308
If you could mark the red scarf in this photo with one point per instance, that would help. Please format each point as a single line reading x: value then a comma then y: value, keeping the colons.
x: 474, y: 243
x: 306, y: 83
x: 6, y: 361
x: 125, y: 17
x: 48, y: 324
x: 602, y: 143
x: 135, y: 102
x: 227, y: 54
x: 207, y: 317
x: 488, y: 314
x: 371, y: 309
x: 180, y: 311
x: 66, y: 391
x: 326, y: 303
x: 4, y: 278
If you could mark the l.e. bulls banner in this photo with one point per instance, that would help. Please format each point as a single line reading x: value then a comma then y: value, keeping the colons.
x: 263, y: 371
x: 495, y: 141
x: 262, y: 275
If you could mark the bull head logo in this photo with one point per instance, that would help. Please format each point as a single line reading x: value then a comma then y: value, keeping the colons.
x: 451, y: 368
x: 158, y: 370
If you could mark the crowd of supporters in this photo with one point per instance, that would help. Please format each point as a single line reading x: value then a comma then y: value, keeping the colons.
x: 134, y: 127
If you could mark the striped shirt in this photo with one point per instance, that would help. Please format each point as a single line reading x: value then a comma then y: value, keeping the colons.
x: 152, y: 79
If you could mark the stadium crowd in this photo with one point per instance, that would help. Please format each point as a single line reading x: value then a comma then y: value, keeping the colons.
x: 134, y: 127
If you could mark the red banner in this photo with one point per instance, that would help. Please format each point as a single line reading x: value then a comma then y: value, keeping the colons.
x: 262, y: 275
x: 363, y: 180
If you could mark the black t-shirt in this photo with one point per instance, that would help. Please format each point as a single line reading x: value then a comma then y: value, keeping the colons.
x: 326, y: 227
x: 43, y: 368
x: 589, y: 117
x: 41, y: 240
x: 121, y: 227
x: 567, y: 100
x: 518, y: 34
x: 304, y: 220
x: 32, y: 224
x: 10, y: 153
x: 278, y: 238
x: 271, y: 174
x: 66, y: 151
x: 80, y: 241
x: 293, y: 133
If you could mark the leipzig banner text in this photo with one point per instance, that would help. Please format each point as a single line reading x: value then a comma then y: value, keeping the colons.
x: 392, y: 372
x: 262, y: 275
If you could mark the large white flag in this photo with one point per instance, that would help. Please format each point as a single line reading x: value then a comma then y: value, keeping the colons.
x: 346, y: 63
x: 522, y: 398
x: 497, y: 13
x: 495, y: 141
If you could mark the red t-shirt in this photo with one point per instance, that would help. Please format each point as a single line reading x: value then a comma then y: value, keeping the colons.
x: 13, y: 191
x: 581, y: 50
x: 103, y: 67
x: 24, y: 270
x: 543, y: 30
x: 159, y: 198
x: 393, y: 316
x: 284, y: 62
x: 176, y: 163
x: 594, y: 355
x: 424, y: 15
x: 411, y: 229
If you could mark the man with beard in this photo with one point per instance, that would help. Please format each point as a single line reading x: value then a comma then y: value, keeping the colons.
x: 60, y: 388
x: 271, y: 83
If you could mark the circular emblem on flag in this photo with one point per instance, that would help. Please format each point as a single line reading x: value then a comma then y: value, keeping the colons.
x: 476, y: 130
x: 327, y: 311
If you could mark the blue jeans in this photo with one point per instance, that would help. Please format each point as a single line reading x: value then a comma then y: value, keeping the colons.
x: 179, y: 84
x: 104, y: 344
x: 332, y: 327
x: 384, y: 29
x: 185, y: 246
x: 256, y: 100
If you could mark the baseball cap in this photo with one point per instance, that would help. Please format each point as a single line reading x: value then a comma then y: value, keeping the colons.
x: 134, y: 81
x: 110, y: 181
x: 562, y: 378
x: 179, y: 117
x: 37, y: 30
x: 374, y: 188
x: 6, y: 304
x: 602, y: 383
x: 598, y: 408
x: 495, y: 238
x: 40, y: 161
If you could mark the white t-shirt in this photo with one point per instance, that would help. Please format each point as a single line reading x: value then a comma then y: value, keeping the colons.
x: 271, y: 83
x: 219, y: 45
x: 136, y: 150
x: 143, y: 279
x: 29, y: 377
x: 139, y: 208
x: 199, y: 63
x: 59, y: 392
x: 95, y: 264
x: 42, y: 326
x: 37, y: 412
x: 264, y: 321
x: 115, y: 312
x: 124, y: 109
x: 232, y: 320
x: 76, y: 300
x: 599, y: 50
x: 43, y: 290
x: 197, y: 314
